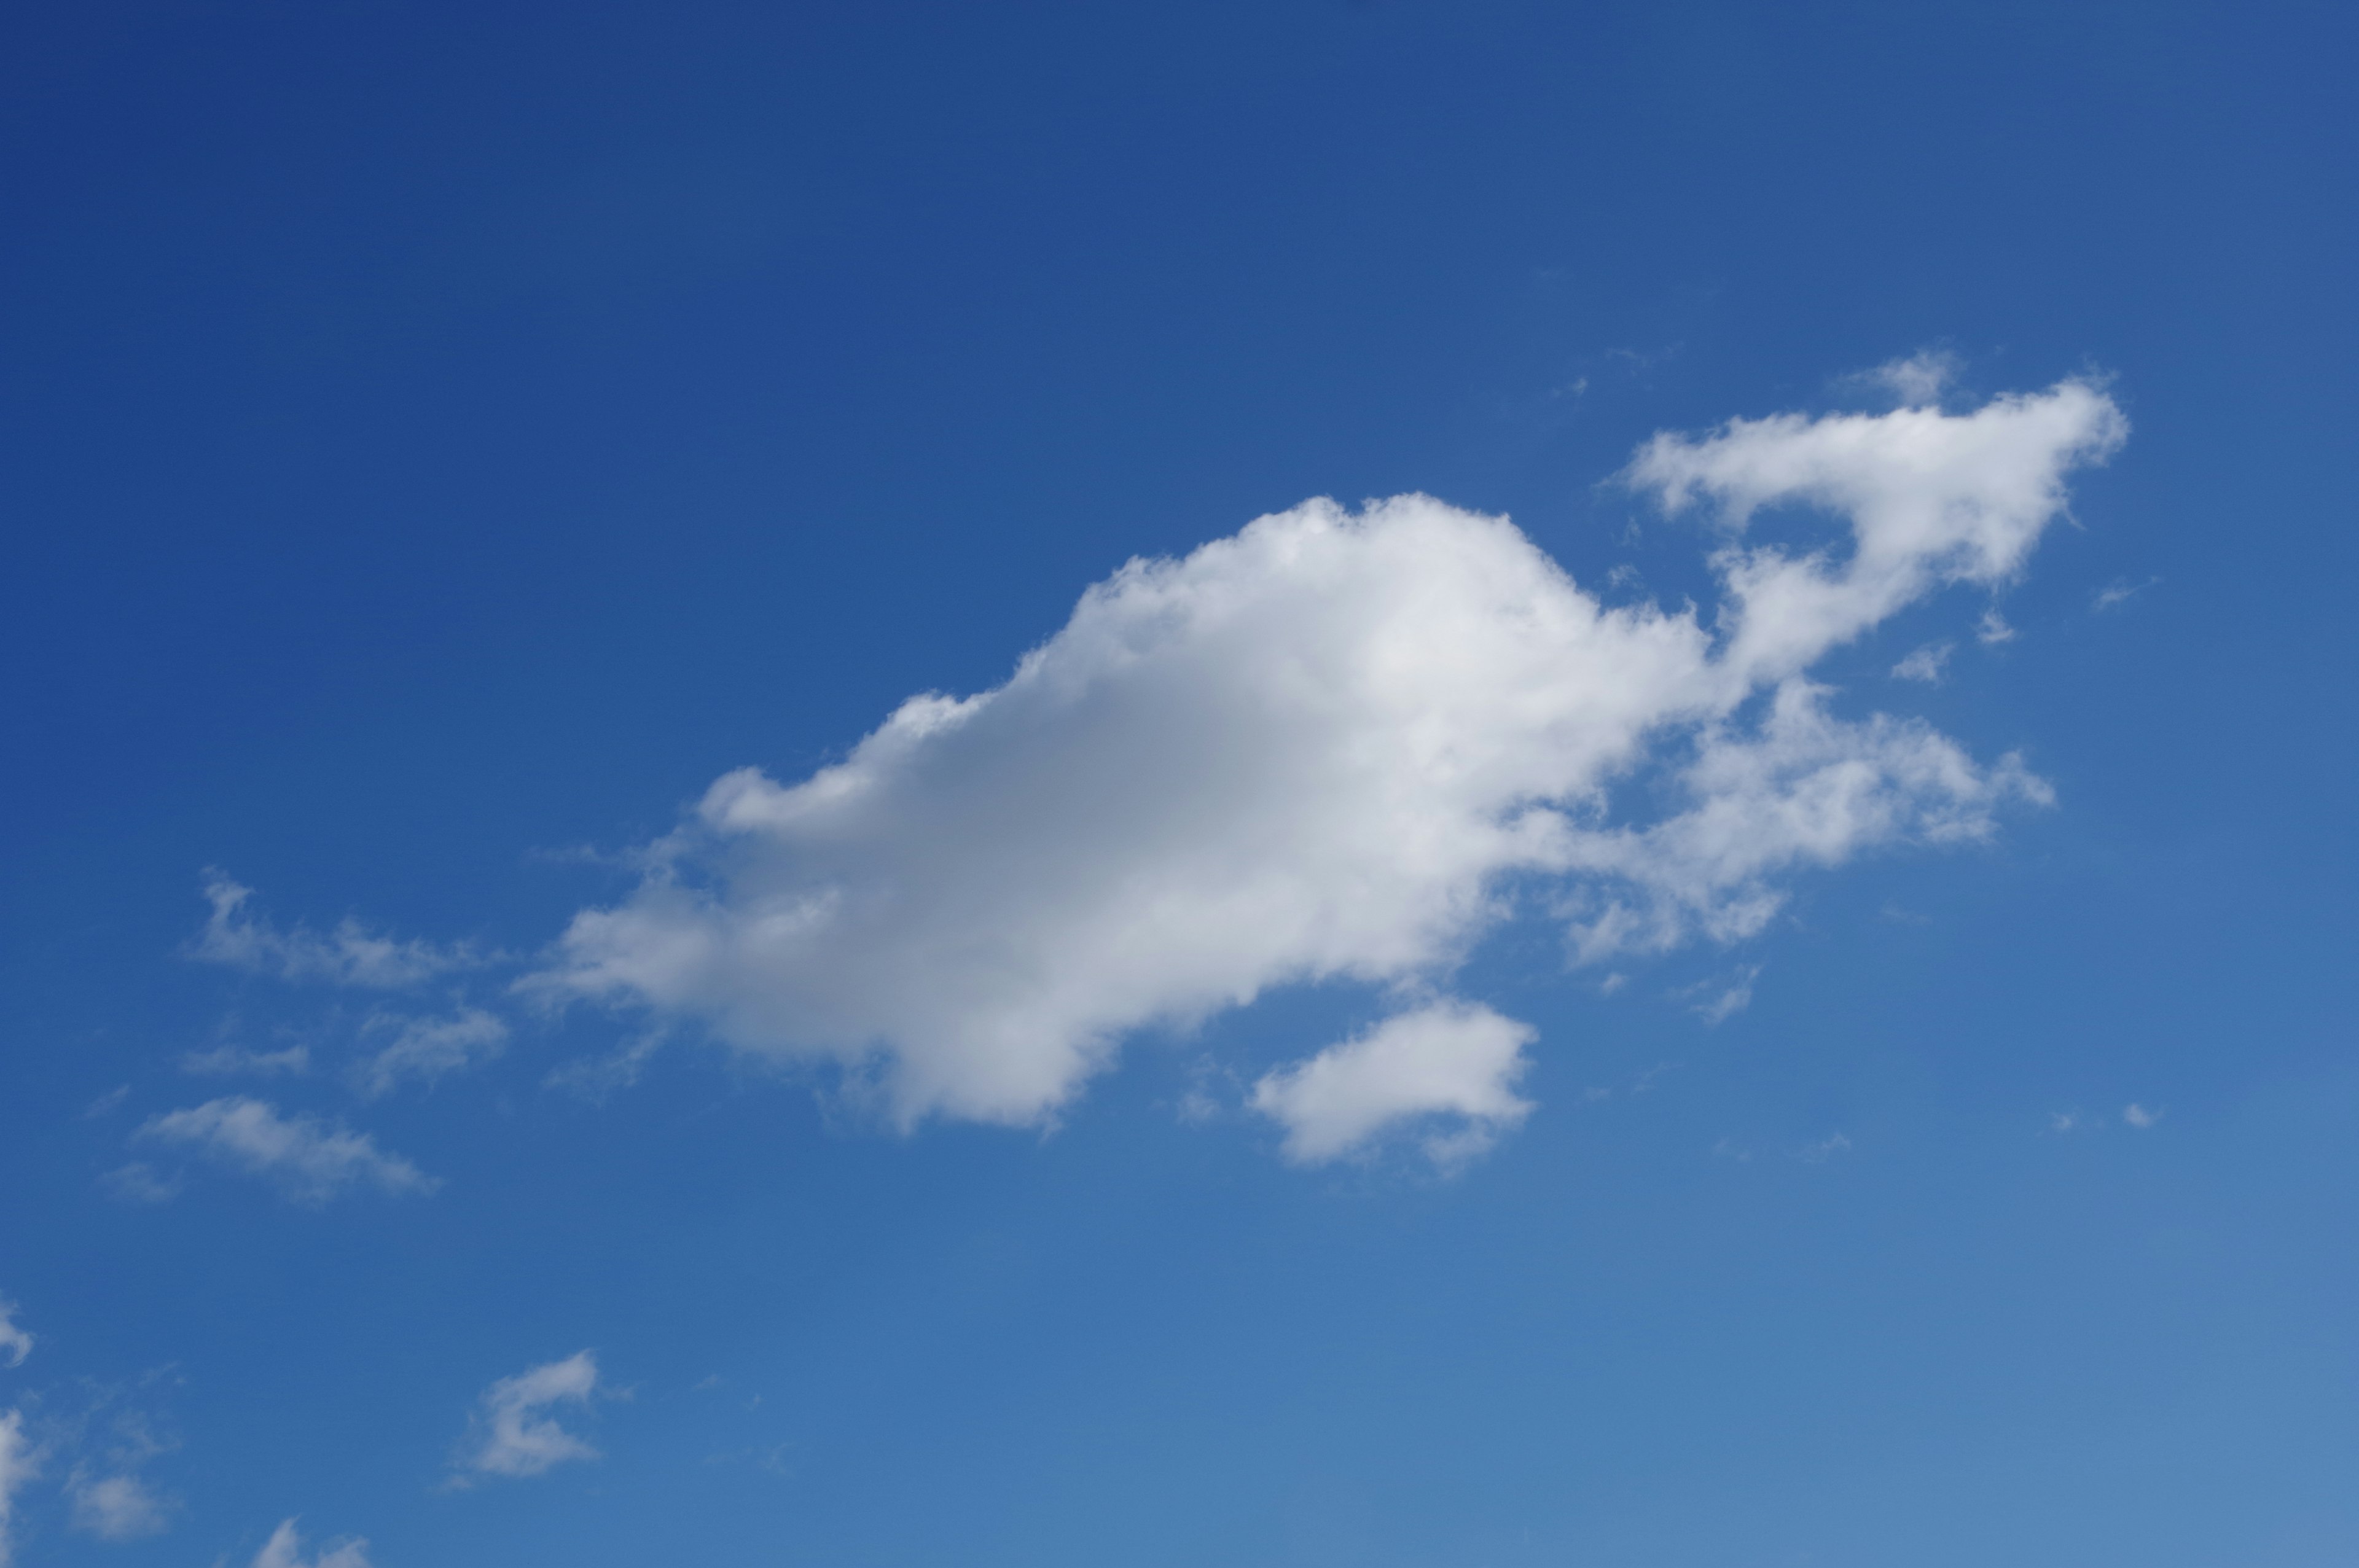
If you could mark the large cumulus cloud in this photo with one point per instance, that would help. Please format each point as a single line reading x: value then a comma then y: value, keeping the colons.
x: 1323, y: 748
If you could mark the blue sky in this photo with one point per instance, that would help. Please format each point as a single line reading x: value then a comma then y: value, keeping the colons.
x: 1285, y: 785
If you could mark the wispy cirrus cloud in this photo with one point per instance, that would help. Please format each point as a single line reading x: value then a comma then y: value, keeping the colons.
x: 311, y: 1160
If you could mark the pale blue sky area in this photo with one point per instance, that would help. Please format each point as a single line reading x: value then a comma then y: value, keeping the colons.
x: 1787, y: 1007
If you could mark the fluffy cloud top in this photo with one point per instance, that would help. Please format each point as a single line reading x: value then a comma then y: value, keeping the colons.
x: 1341, y: 746
x: 311, y: 1160
x: 515, y: 1434
x: 351, y: 954
x: 285, y: 1549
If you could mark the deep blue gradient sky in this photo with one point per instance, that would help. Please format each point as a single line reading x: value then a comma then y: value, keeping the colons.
x: 437, y: 441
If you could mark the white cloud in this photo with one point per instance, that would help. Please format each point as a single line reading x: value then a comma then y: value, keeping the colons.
x: 514, y: 1436
x: 2063, y: 1121
x: 351, y: 955
x: 1729, y: 995
x: 227, y: 1061
x: 1918, y: 380
x: 1338, y: 746
x: 1926, y: 664
x: 19, y: 1465
x: 1448, y: 1059
x: 427, y: 1048
x: 2120, y: 591
x: 309, y: 1159
x: 285, y: 1549
x: 1803, y: 788
x: 116, y: 1508
x: 1992, y: 628
x: 2140, y: 1116
x: 1932, y: 498
x: 15, y: 1343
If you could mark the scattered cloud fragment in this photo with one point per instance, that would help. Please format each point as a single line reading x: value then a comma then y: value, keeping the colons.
x: 351, y: 954
x: 1993, y: 628
x: 119, y: 1506
x: 426, y: 1049
x: 311, y: 1160
x: 1729, y: 995
x: 141, y: 1182
x: 19, y: 1463
x: 2140, y: 1116
x: 513, y: 1435
x: 285, y: 1549
x: 1450, y: 1060
x: 15, y: 1343
x: 1918, y: 380
x: 2118, y: 593
x: 236, y: 1061
x: 1926, y: 664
